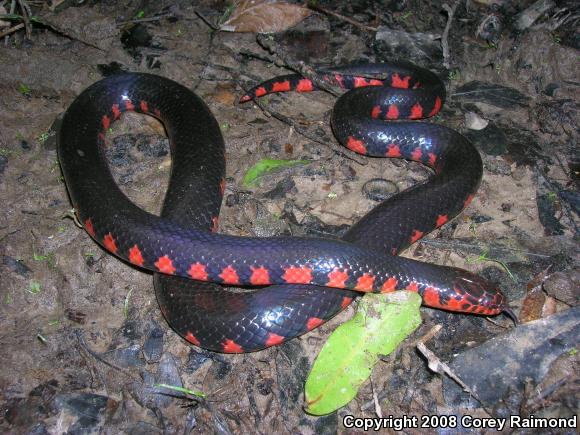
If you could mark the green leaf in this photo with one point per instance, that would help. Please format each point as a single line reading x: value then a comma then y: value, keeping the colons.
x: 10, y: 17
x: 16, y: 17
x: 24, y: 89
x: 265, y: 166
x: 39, y: 257
x: 34, y: 287
x: 382, y: 322
x: 183, y: 390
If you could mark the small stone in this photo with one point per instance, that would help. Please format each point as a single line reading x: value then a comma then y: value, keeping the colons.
x: 379, y: 189
x: 475, y: 122
x: 564, y: 286
x: 153, y: 346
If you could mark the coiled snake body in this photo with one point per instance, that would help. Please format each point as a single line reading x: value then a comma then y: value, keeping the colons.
x: 304, y: 273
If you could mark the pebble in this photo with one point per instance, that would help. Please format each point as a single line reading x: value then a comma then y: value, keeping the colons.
x: 379, y: 189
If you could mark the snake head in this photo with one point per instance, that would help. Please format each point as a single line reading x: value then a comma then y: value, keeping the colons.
x: 466, y: 292
x: 480, y: 296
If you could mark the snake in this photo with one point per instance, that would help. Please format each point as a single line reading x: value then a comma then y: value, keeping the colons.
x: 287, y: 285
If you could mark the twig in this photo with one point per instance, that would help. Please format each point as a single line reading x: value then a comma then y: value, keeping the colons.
x: 556, y: 187
x: 302, y: 131
x: 66, y: 33
x: 206, y: 64
x: 378, y: 409
x: 145, y: 20
x: 286, y: 120
x: 169, y: 14
x: 477, y: 248
x: 530, y: 15
x: 342, y: 18
x: 86, y: 348
x: 26, y: 18
x: 490, y: 320
x: 251, y: 55
x: 444, y: 37
x: 429, y: 335
x: 549, y: 390
x: 11, y: 30
x: 330, y: 85
x: 438, y: 366
x: 381, y: 395
x: 211, y: 25
x: 12, y: 10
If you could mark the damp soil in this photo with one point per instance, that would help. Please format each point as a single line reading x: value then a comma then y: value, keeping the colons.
x: 84, y: 344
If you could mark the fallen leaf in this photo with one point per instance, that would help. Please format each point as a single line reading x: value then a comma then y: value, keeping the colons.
x: 550, y: 307
x: 532, y: 305
x: 266, y: 166
x: 345, y: 362
x: 259, y: 16
x: 225, y: 95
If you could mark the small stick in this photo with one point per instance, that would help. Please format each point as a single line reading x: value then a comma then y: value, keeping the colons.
x: 12, y: 10
x: 11, y: 30
x: 83, y: 345
x: 556, y: 187
x: 342, y: 18
x: 378, y: 409
x: 26, y: 17
x: 331, y: 86
x: 301, y: 131
x: 549, y: 390
x: 438, y: 366
x: 444, y: 37
x: 251, y: 55
x: 203, y: 18
x: 477, y: 247
x: 432, y: 333
x: 144, y: 20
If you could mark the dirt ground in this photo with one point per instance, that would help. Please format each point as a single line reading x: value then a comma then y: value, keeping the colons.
x: 83, y: 340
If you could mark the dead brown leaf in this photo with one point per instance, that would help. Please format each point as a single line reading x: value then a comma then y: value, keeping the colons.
x: 550, y: 307
x: 224, y: 94
x: 263, y: 16
x: 532, y: 305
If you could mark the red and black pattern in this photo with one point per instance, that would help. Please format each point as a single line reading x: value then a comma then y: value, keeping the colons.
x: 180, y: 243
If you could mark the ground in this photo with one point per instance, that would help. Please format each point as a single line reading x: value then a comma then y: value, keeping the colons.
x: 82, y: 336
